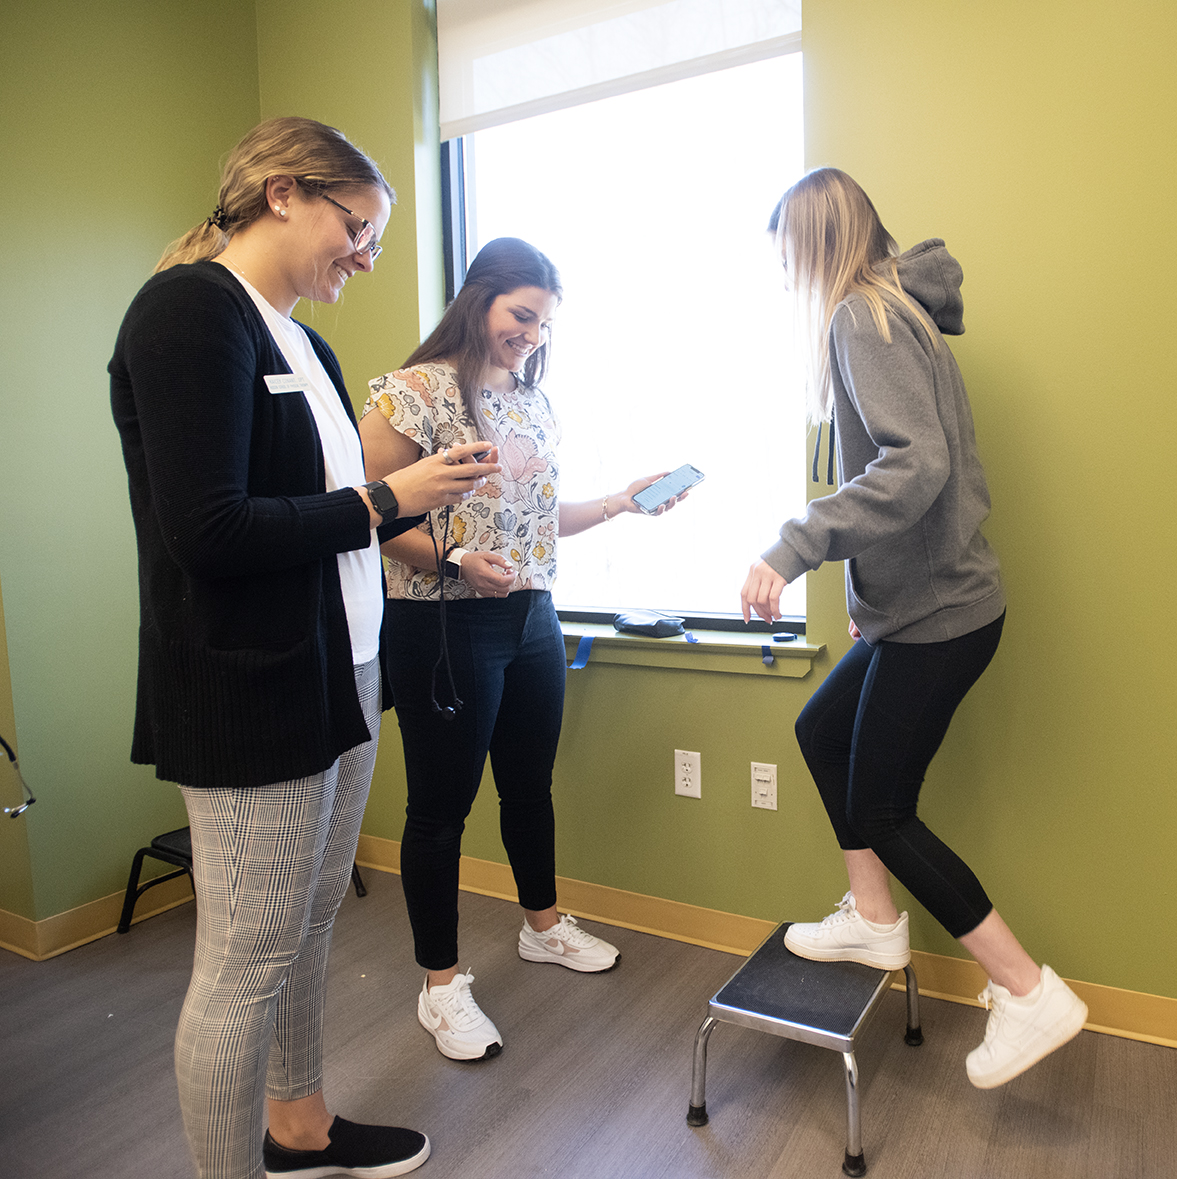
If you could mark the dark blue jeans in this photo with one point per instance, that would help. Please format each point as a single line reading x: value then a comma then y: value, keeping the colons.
x: 507, y: 656
x: 868, y: 735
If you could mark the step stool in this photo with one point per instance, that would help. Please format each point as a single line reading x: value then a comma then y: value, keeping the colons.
x: 822, y: 1003
x: 173, y: 847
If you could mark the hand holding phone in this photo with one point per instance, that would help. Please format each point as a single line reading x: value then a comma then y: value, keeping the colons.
x: 466, y: 452
x: 669, y: 487
x: 474, y: 454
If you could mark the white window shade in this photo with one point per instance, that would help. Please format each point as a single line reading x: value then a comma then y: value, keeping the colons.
x: 502, y: 60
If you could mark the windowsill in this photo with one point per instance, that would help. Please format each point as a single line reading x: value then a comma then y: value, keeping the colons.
x: 716, y: 650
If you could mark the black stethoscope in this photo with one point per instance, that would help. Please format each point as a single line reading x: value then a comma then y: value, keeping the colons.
x: 13, y: 811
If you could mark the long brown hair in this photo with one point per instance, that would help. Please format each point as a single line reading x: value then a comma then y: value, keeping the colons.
x: 501, y: 266
x: 317, y: 156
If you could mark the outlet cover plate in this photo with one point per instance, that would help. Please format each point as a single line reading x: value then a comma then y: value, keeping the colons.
x: 764, y: 786
x: 687, y: 773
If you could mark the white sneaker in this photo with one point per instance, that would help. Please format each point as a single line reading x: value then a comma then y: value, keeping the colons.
x: 1021, y: 1031
x: 458, y: 1024
x: 847, y: 936
x: 569, y: 945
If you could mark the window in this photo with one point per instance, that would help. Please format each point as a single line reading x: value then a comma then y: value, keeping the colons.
x: 672, y: 344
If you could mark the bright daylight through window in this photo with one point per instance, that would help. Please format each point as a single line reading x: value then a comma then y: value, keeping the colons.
x: 673, y: 342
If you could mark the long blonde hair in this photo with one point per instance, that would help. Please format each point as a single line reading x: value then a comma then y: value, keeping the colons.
x: 317, y: 156
x: 833, y: 245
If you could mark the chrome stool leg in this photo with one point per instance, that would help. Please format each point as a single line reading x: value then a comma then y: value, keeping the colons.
x: 697, y: 1112
x: 914, y: 1036
x: 854, y: 1163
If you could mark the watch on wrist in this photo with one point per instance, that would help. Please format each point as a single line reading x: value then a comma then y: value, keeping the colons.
x: 383, y: 499
x: 453, y: 563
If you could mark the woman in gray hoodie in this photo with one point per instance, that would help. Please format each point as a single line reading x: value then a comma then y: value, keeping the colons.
x: 924, y: 595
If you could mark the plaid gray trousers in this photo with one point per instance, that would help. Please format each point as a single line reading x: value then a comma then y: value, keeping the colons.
x: 272, y: 865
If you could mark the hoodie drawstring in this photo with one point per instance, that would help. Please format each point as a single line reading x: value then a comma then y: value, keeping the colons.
x: 817, y: 451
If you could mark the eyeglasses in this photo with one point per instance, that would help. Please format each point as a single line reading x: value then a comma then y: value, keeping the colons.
x: 15, y: 811
x: 365, y: 239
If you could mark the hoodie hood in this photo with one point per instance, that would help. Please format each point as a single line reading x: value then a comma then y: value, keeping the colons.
x: 933, y: 277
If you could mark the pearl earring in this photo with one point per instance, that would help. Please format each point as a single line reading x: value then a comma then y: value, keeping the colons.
x: 280, y: 212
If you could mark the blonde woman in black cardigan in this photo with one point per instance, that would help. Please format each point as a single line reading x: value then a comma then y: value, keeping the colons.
x: 261, y: 603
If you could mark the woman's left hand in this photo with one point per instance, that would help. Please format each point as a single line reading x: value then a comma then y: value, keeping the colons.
x: 440, y: 480
x: 576, y: 517
x: 762, y: 592
x: 624, y: 501
x: 488, y: 574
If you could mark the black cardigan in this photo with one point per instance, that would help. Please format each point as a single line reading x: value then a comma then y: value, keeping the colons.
x: 245, y: 667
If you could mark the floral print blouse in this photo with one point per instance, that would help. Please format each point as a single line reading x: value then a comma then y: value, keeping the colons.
x: 516, y: 513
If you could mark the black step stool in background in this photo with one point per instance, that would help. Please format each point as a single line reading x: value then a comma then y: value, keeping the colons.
x: 175, y: 847
x: 822, y: 1003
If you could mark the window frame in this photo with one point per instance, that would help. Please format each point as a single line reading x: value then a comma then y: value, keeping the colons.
x: 455, y: 212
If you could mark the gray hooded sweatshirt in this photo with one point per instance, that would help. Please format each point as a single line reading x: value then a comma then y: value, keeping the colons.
x: 906, y: 517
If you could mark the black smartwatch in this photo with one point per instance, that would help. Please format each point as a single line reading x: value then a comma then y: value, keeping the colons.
x: 382, y: 499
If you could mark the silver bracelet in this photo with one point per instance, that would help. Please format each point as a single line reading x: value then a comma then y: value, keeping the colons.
x: 605, y: 510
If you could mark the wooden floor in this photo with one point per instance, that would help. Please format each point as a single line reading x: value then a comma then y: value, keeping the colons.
x: 593, y: 1081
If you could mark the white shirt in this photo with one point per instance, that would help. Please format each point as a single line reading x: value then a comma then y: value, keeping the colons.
x: 360, y: 572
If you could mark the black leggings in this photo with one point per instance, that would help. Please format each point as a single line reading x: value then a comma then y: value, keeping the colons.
x: 508, y: 663
x: 868, y: 735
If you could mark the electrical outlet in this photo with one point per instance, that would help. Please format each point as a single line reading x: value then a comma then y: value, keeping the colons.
x: 764, y: 786
x: 687, y: 773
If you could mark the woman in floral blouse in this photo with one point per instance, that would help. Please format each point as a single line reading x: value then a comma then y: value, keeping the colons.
x: 473, y: 647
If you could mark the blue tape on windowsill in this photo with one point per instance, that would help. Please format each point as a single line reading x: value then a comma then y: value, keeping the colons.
x: 583, y: 650
x: 702, y: 650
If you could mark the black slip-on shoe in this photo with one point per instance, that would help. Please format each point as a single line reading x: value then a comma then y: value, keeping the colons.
x: 364, y: 1152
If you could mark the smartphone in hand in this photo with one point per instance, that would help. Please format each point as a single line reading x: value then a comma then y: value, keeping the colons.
x: 663, y: 490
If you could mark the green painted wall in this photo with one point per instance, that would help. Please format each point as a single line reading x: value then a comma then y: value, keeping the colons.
x: 16, y: 886
x: 115, y: 118
x: 355, y: 69
x: 1036, y: 139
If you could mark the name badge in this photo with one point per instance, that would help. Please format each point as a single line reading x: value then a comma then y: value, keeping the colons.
x: 285, y: 383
